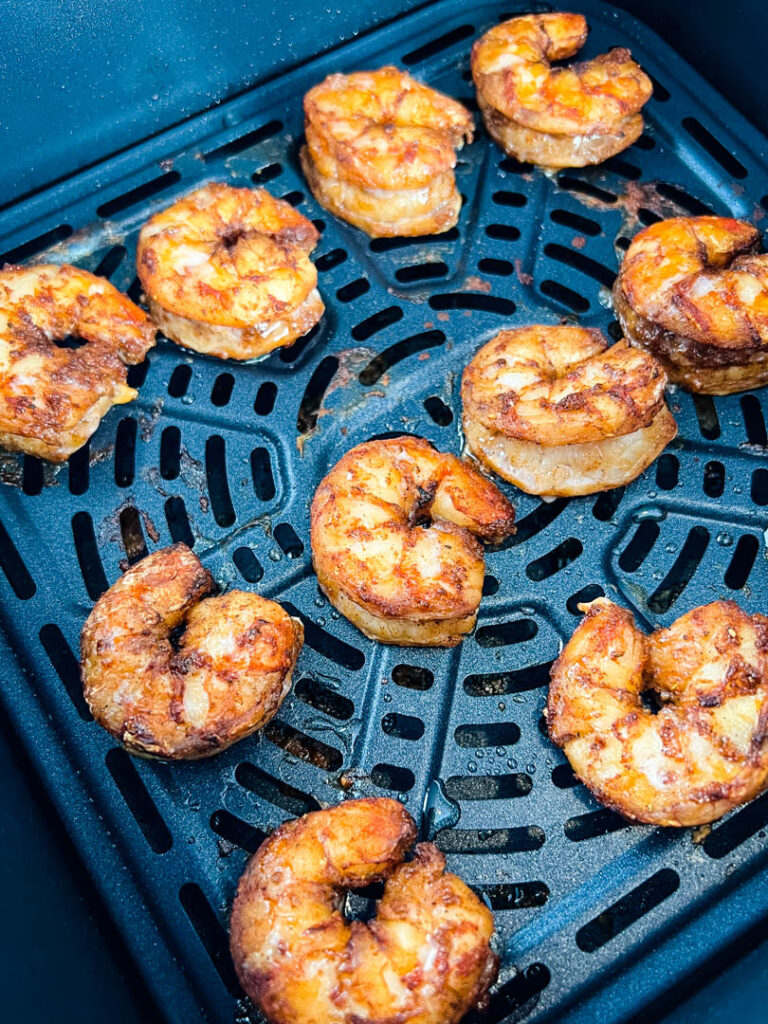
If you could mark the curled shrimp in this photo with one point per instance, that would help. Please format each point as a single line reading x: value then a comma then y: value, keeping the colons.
x: 705, y: 751
x: 694, y: 291
x: 53, y: 395
x: 192, y: 695
x: 424, y: 959
x: 556, y: 117
x: 556, y: 412
x: 393, y: 540
x: 227, y: 271
x: 380, y: 152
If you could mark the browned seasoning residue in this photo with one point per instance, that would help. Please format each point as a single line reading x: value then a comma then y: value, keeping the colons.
x: 522, y: 276
x: 578, y: 241
x: 477, y: 284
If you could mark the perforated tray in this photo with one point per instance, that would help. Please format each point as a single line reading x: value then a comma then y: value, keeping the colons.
x: 595, y: 917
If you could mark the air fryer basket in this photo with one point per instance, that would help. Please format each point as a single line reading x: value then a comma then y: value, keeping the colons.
x: 594, y: 916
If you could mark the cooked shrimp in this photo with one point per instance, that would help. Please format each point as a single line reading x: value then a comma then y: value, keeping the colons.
x: 53, y: 397
x: 381, y: 149
x: 705, y: 752
x: 192, y: 695
x: 424, y: 959
x: 556, y: 412
x: 694, y: 291
x: 556, y: 117
x: 227, y: 271
x: 393, y: 540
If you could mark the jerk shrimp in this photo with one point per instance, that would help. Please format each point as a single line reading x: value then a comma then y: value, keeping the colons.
x: 694, y: 291
x: 424, y: 959
x: 381, y: 149
x: 53, y: 395
x: 227, y: 272
x: 705, y: 751
x: 393, y: 528
x: 556, y: 117
x: 556, y: 412
x: 173, y: 673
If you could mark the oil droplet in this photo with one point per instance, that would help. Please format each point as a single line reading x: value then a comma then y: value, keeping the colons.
x: 387, y: 698
x: 471, y: 767
x: 502, y: 706
x: 320, y: 620
x: 500, y: 751
x: 479, y: 755
x: 724, y: 539
x: 512, y: 763
x: 650, y: 513
x: 274, y: 555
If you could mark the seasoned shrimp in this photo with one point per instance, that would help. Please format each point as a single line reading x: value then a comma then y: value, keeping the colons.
x: 227, y: 271
x: 556, y: 412
x: 424, y: 959
x: 381, y: 149
x: 694, y: 291
x: 53, y: 397
x: 556, y: 117
x: 393, y: 540
x: 705, y: 752
x: 192, y: 695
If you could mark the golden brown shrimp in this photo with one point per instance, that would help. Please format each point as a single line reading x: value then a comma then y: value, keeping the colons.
x: 694, y: 291
x: 223, y: 678
x: 424, y: 959
x: 381, y: 149
x: 393, y: 540
x: 53, y: 397
x: 705, y: 752
x: 227, y: 272
x: 556, y: 117
x: 556, y: 412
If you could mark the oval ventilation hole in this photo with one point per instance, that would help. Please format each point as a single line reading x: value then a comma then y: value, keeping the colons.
x: 236, y: 831
x: 667, y: 471
x: 211, y: 933
x: 216, y: 477
x: 402, y: 727
x: 438, y: 411
x: 714, y: 479
x: 574, y: 221
x: 639, y: 547
x: 490, y: 585
x: 512, y: 199
x: 261, y: 473
x: 498, y: 734
x: 555, y: 560
x: 138, y: 800
x: 688, y: 202
x: 266, y: 174
x: 80, y: 470
x: 519, y: 993
x: 682, y: 572
x: 325, y: 699
x: 87, y: 555
x: 275, y: 791
x: 295, y: 198
x: 32, y: 476
x: 606, y: 504
x: 563, y: 777
x: 35, y: 245
x: 499, y: 684
x: 290, y: 354
x: 474, y: 302
x: 353, y: 290
x: 615, y: 331
x: 714, y: 147
x: 428, y: 271
x: 626, y: 911
x: 243, y: 142
x: 727, y: 835
x: 248, y: 565
x: 565, y: 296
x: 137, y: 374
x: 488, y: 787
x: 315, y: 391
x: 136, y: 195
x: 132, y: 534
x: 754, y: 421
x: 305, y: 748
x: 491, y: 840
x: 135, y: 291
x: 514, y: 895
x: 510, y: 164
x: 569, y: 183
x: 648, y: 217
x: 264, y: 402
x: 625, y: 169
x: 743, y: 560
x: 646, y: 142
x: 221, y: 392
x: 179, y: 382
x: 503, y: 232
x: 378, y: 366
x: 413, y: 677
x: 438, y: 45
x: 331, y: 259
x: 125, y: 451
x: 390, y: 244
x: 324, y: 643
x: 502, y: 634
x: 177, y: 519
x: 66, y: 666
x: 501, y: 268
x: 110, y: 261
x: 373, y: 324
x: 593, y: 824
x: 289, y: 541
x: 578, y: 261
x: 584, y: 596
x: 759, y: 488
x: 536, y: 521
x: 170, y: 453
x: 393, y: 777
